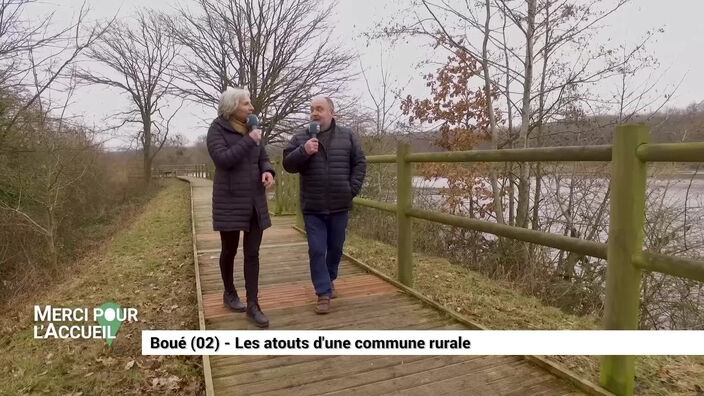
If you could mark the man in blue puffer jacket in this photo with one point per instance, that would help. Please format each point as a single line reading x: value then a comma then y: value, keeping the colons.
x: 332, y: 168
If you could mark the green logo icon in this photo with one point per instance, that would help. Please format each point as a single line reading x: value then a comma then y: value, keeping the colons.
x: 109, y: 320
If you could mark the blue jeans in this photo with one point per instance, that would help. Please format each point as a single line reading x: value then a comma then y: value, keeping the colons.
x: 326, y: 235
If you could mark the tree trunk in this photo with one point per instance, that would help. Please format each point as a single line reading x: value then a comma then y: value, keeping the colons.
x: 498, y: 205
x: 146, y: 148
x: 571, y: 261
x: 536, y: 196
x: 51, y: 233
x: 524, y: 177
x: 509, y: 113
x: 541, y: 115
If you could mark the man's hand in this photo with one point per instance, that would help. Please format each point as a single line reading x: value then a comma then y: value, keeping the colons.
x: 256, y: 135
x: 267, y: 179
x: 311, y: 146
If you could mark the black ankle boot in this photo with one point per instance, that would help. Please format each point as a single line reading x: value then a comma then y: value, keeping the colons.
x: 256, y: 315
x: 231, y: 301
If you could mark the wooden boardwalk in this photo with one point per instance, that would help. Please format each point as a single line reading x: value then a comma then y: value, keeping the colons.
x: 365, y: 302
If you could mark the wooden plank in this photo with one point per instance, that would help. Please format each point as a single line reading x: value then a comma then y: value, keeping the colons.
x: 264, y: 247
x: 429, y: 378
x: 300, y: 294
x: 346, y: 317
x: 212, y: 282
x: 231, y: 368
x: 373, y: 371
x: 297, y: 378
x: 272, y: 276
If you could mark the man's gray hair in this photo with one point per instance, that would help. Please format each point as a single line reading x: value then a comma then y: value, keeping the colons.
x: 332, y: 106
x: 327, y: 99
x: 230, y: 99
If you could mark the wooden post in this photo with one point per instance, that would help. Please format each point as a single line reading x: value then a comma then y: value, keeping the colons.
x: 403, y: 205
x: 627, y: 219
x: 278, y: 187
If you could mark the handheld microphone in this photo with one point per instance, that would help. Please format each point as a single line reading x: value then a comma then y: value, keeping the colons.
x: 314, y: 129
x: 253, y: 123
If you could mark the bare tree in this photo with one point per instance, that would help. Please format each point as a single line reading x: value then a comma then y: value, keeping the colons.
x: 139, y: 58
x: 381, y: 116
x: 43, y: 169
x: 280, y: 51
x: 42, y: 155
x: 18, y: 36
x: 24, y: 74
x: 385, y: 96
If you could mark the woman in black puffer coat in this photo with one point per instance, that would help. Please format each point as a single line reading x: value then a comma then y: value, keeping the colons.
x: 242, y: 173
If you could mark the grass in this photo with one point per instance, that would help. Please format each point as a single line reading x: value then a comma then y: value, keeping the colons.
x: 498, y: 305
x: 149, y: 266
x: 271, y: 204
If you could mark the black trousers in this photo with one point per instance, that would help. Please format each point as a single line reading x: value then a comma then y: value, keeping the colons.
x: 230, y: 240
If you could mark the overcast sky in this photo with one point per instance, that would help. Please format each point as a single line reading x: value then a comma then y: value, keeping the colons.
x: 680, y: 49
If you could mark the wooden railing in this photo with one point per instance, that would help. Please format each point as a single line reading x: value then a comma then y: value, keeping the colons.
x: 629, y: 155
x: 205, y: 171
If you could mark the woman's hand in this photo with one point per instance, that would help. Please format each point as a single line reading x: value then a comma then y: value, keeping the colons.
x: 267, y: 179
x: 256, y: 135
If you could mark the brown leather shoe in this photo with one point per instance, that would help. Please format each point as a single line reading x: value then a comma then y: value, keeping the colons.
x: 334, y: 293
x: 323, y: 305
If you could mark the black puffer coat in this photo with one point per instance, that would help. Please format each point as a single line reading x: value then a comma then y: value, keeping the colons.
x: 237, y: 186
x: 331, y: 177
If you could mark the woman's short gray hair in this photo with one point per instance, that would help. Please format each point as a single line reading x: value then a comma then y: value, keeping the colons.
x: 230, y: 99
